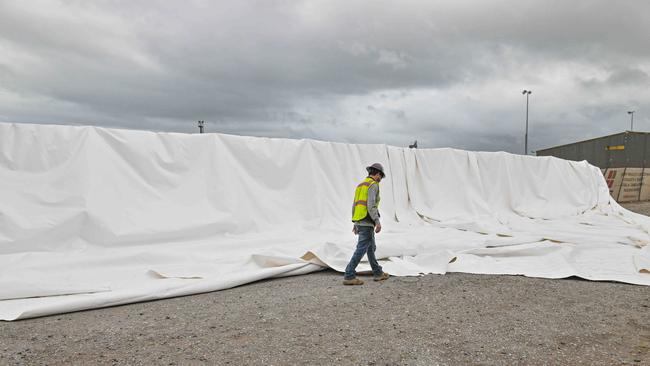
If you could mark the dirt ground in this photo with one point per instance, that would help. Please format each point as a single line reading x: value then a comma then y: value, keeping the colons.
x: 639, y: 207
x: 455, y: 319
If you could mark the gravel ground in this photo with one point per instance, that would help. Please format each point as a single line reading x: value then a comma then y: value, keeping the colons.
x: 455, y: 319
x: 638, y: 207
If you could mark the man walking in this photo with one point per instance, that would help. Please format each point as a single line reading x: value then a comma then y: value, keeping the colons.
x: 365, y: 215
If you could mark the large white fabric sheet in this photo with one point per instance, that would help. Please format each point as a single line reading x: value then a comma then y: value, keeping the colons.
x: 93, y: 217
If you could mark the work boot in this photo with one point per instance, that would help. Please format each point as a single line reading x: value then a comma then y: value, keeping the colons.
x: 354, y: 281
x: 383, y: 276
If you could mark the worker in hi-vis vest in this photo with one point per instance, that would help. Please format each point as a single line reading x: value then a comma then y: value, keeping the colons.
x: 365, y: 215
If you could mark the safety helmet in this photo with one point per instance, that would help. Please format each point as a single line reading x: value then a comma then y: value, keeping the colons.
x: 378, y: 167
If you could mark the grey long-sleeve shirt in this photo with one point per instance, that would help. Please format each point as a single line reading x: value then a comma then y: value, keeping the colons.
x: 373, y: 211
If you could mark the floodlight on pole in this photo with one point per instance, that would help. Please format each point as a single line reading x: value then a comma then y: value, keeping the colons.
x: 631, y: 113
x: 201, y: 123
x: 527, y: 94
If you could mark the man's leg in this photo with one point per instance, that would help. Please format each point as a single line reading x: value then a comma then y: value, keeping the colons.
x: 376, y: 268
x: 362, y: 248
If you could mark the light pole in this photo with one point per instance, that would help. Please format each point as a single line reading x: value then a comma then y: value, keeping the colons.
x: 631, y: 113
x: 201, y: 123
x: 526, y: 93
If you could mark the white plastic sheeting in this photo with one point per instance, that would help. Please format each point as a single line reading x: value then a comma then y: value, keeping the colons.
x: 93, y: 217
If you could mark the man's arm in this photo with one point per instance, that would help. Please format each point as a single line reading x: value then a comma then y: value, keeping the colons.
x: 355, y: 229
x: 373, y: 210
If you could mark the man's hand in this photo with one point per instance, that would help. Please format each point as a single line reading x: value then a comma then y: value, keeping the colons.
x: 355, y: 229
x: 377, y: 227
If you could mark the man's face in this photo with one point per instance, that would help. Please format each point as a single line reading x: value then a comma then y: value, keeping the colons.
x: 377, y: 177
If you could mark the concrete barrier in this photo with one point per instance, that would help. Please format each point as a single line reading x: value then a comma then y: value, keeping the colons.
x: 614, y: 177
x: 628, y: 184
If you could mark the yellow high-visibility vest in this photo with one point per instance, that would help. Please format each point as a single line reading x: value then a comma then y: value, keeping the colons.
x: 361, y: 199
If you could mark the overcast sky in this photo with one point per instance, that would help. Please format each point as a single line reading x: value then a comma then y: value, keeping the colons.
x: 447, y: 73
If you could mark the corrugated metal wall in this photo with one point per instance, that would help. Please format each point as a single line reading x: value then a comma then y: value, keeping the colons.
x: 602, y: 151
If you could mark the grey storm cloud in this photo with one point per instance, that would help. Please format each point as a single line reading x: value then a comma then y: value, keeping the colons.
x: 448, y: 73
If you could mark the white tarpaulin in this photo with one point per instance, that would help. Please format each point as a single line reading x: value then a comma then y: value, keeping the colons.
x: 93, y: 217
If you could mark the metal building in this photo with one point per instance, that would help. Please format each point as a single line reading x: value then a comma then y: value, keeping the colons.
x: 622, y: 157
x: 627, y: 149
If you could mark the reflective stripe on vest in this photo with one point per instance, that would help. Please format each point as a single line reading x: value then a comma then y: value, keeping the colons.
x: 361, y: 199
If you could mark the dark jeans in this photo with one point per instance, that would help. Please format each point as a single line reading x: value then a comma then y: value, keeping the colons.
x: 366, y: 245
